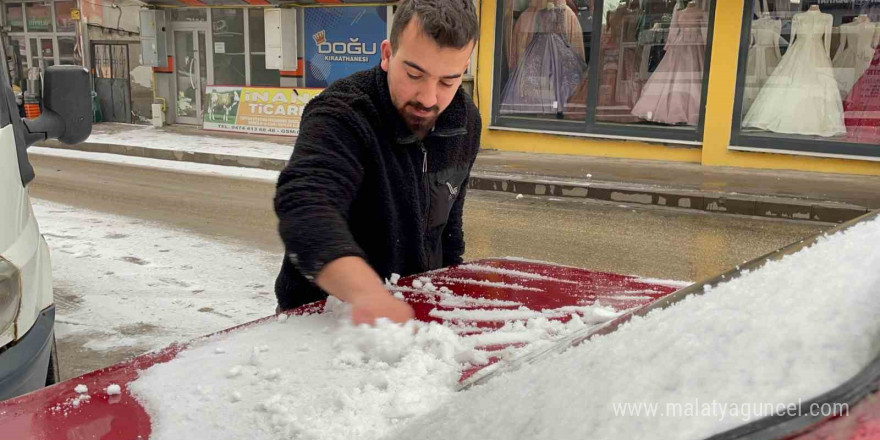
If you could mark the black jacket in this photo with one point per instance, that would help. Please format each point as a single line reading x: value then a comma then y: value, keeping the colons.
x: 361, y: 183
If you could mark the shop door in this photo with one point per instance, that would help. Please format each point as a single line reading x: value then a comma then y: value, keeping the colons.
x: 43, y: 52
x: 190, y: 75
x: 110, y: 64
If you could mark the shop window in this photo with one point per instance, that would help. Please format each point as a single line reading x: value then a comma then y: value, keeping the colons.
x: 39, y: 17
x: 42, y: 52
x: 14, y: 17
x: 809, y: 77
x: 651, y: 63
x: 188, y: 14
x: 63, y: 21
x: 229, y: 55
x: 66, y: 50
x: 47, y: 51
x: 633, y: 68
x: 260, y: 76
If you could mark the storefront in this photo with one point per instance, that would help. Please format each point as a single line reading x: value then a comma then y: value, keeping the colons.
x: 217, y: 73
x: 752, y: 83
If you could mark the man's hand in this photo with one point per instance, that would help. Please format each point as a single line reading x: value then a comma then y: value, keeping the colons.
x: 366, y: 309
x: 352, y: 280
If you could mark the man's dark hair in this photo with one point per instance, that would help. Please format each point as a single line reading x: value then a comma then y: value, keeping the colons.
x: 450, y: 23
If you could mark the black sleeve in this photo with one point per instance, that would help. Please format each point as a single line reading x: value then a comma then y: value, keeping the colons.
x: 316, y: 189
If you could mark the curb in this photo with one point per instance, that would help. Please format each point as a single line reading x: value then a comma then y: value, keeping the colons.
x: 232, y: 160
x: 714, y: 202
x: 620, y: 192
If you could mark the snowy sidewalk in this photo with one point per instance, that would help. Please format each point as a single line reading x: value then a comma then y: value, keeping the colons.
x: 767, y: 193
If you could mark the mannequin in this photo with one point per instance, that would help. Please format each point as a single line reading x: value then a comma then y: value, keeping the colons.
x: 801, y: 97
x: 524, y: 30
x: 549, y: 68
x: 673, y: 92
x: 764, y: 55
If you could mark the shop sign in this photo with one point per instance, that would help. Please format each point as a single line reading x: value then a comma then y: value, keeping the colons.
x: 39, y: 23
x: 341, y: 41
x: 260, y: 110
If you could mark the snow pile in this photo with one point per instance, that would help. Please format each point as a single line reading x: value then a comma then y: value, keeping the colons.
x: 319, y: 377
x: 517, y: 327
x: 82, y: 397
x: 788, y: 332
x: 311, y: 376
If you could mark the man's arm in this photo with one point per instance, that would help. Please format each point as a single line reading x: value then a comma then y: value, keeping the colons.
x: 313, y: 198
x: 352, y: 280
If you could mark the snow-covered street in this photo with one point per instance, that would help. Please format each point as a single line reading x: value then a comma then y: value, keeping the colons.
x: 124, y: 286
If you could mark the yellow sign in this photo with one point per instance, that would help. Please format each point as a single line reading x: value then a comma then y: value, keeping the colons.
x: 261, y: 110
x: 74, y: 14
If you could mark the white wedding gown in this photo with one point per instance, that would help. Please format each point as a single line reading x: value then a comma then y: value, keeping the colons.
x: 857, y: 42
x: 801, y: 96
x: 764, y: 56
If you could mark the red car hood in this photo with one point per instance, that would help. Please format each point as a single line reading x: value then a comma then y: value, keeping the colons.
x: 48, y: 413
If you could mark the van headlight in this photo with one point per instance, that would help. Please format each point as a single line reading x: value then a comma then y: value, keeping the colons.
x: 10, y: 294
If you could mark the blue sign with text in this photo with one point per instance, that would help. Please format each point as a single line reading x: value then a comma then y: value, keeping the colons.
x: 342, y: 40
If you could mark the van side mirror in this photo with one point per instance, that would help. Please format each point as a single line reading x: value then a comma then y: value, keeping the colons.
x: 67, y: 107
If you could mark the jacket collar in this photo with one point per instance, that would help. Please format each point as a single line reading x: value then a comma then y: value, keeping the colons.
x: 452, y: 122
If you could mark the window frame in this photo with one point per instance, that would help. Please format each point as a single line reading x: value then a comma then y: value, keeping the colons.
x: 781, y: 142
x: 246, y: 48
x: 27, y: 35
x: 684, y: 136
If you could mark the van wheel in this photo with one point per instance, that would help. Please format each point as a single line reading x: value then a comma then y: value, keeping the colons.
x: 53, y: 376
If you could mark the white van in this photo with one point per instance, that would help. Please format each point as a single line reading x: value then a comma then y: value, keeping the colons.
x: 28, y: 358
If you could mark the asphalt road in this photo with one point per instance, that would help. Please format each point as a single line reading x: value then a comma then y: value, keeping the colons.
x: 648, y: 241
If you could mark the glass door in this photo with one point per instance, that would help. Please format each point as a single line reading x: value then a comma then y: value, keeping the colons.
x: 190, y: 75
x: 43, y: 52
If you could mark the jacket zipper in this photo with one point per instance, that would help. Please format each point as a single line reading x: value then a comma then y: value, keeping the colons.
x: 427, y: 187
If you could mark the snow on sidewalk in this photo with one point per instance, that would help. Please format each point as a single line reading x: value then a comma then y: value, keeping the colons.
x: 790, y: 331
x: 125, y: 282
x: 152, y: 137
x: 160, y: 164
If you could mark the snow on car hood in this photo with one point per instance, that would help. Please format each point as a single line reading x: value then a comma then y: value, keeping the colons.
x: 780, y: 335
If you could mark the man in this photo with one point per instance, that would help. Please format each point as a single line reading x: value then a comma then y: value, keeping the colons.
x: 376, y: 183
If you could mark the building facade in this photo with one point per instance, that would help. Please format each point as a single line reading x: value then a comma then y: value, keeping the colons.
x: 775, y: 84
